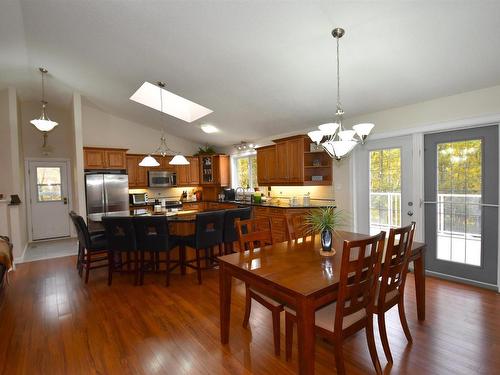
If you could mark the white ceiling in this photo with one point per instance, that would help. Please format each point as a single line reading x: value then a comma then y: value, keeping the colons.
x: 264, y: 67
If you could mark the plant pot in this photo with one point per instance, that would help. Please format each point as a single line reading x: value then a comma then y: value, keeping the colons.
x: 326, y: 240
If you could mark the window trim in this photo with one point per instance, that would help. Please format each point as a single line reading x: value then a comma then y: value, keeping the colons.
x: 234, y: 168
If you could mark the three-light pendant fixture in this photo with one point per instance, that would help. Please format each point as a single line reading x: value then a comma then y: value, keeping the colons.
x: 334, y: 139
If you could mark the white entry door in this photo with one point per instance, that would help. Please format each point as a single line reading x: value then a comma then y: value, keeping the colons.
x: 48, y: 188
x: 383, y: 175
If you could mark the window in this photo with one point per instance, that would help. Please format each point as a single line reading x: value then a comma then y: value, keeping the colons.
x: 48, y: 183
x: 245, y: 171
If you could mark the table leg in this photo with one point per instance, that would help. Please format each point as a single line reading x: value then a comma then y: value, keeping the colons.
x: 305, y: 336
x: 419, y: 273
x: 225, y: 302
x: 182, y: 258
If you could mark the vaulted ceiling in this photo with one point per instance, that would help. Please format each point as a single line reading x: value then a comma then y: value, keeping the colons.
x: 263, y: 67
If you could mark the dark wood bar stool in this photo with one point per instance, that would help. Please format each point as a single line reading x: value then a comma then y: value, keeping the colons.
x: 230, y: 231
x: 152, y: 235
x: 209, y: 231
x: 391, y: 286
x: 251, y: 234
x: 120, y: 234
x: 353, y: 310
x: 92, y: 248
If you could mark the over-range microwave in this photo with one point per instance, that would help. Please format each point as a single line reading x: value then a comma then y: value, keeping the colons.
x: 161, y: 179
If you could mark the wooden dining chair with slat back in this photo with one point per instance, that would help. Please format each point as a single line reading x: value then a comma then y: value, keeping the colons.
x: 252, y: 234
x: 296, y: 227
x: 390, y: 286
x: 353, y: 310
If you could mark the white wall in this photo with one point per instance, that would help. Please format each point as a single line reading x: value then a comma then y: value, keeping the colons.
x: 5, y: 149
x: 105, y: 130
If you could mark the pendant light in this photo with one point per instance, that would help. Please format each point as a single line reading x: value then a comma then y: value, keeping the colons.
x: 43, y: 123
x: 337, y: 141
x: 163, y: 149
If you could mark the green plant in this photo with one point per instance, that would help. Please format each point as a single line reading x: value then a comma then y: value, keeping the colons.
x: 328, y: 218
x: 207, y: 150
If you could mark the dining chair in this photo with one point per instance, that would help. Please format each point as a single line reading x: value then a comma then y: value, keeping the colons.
x: 230, y: 231
x: 209, y: 232
x: 92, y: 248
x: 353, y: 310
x: 391, y: 285
x: 152, y: 235
x: 120, y: 234
x: 296, y: 227
x: 256, y: 233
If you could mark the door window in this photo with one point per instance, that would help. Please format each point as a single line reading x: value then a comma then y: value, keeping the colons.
x: 459, y: 186
x: 48, y: 183
x: 385, y: 189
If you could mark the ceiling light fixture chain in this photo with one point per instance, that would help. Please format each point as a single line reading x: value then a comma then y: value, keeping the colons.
x: 334, y: 139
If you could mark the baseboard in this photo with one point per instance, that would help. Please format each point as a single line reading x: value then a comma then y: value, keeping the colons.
x: 21, y: 258
x: 462, y: 280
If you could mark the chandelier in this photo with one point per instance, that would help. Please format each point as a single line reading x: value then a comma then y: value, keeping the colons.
x: 43, y: 123
x: 163, y: 149
x: 334, y: 139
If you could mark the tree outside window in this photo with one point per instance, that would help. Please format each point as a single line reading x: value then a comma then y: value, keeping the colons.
x: 246, y: 171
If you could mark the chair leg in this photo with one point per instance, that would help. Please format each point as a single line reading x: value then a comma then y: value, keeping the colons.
x: 383, y: 336
x: 276, y: 331
x: 339, y: 357
x: 198, y: 266
x: 371, y: 344
x: 88, y: 261
x: 111, y: 263
x: 248, y: 306
x: 288, y: 336
x: 402, y: 318
x: 129, y: 266
x: 167, y: 262
x: 221, y: 249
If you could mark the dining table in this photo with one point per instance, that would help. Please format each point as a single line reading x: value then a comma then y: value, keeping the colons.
x: 295, y: 273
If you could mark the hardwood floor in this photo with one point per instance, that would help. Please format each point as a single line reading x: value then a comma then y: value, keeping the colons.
x: 52, y: 323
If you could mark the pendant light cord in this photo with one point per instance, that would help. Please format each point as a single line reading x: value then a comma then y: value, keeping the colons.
x: 339, y: 107
x: 43, y: 88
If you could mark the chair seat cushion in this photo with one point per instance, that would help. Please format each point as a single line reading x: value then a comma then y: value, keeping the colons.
x: 266, y: 298
x: 98, y: 242
x: 388, y: 296
x: 325, y: 317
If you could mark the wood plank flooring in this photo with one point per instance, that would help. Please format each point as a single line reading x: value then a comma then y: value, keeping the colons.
x: 52, y: 323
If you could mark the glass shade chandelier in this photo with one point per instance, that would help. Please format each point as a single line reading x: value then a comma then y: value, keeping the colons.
x: 43, y: 123
x: 334, y: 139
x: 163, y: 149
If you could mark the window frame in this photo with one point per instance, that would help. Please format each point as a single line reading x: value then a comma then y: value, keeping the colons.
x: 234, y: 164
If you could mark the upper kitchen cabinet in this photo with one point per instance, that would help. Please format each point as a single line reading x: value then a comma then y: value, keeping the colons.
x: 188, y: 175
x: 137, y: 175
x: 104, y: 158
x: 214, y: 170
x: 290, y: 161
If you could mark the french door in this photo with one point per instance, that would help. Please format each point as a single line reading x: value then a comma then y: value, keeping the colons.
x: 461, y: 203
x: 383, y: 173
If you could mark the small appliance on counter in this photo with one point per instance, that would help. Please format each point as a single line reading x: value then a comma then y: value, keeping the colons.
x: 229, y: 194
x: 138, y: 199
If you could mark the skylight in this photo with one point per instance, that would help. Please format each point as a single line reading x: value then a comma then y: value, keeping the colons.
x: 173, y: 105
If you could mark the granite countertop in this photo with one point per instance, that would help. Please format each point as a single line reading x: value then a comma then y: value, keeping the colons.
x: 283, y: 203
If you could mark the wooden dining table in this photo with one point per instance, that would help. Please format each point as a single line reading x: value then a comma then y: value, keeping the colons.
x: 296, y: 274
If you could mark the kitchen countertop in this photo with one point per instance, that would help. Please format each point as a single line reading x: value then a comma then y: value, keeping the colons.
x: 283, y: 203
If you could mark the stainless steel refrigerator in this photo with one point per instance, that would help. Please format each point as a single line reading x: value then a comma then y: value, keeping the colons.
x: 106, y: 192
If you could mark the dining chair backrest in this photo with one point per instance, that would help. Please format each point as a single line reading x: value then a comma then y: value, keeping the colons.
x: 230, y: 217
x: 254, y: 233
x: 297, y: 227
x: 151, y: 233
x: 359, y: 272
x: 82, y: 230
x: 395, y: 264
x: 120, y: 233
x: 209, y: 229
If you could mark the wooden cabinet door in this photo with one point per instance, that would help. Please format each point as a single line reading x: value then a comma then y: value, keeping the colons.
x: 295, y: 160
x: 182, y: 175
x: 116, y: 159
x: 281, y: 162
x: 94, y: 159
x: 266, y: 165
x: 261, y: 167
x: 194, y: 170
x: 223, y: 170
x: 132, y: 170
x: 142, y: 174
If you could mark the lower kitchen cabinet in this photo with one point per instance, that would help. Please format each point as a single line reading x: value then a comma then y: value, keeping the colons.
x: 278, y: 219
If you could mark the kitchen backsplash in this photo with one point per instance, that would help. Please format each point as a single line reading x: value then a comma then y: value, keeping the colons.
x: 321, y: 192
x: 156, y: 193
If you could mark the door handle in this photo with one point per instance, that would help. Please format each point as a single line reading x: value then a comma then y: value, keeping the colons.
x: 410, y: 213
x: 65, y: 200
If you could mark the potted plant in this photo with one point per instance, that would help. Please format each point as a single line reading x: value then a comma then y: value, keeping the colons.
x: 325, y: 221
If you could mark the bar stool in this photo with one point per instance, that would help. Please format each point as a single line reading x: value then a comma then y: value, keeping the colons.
x: 91, y: 248
x: 209, y: 231
x: 230, y: 232
x: 120, y: 234
x: 152, y: 235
